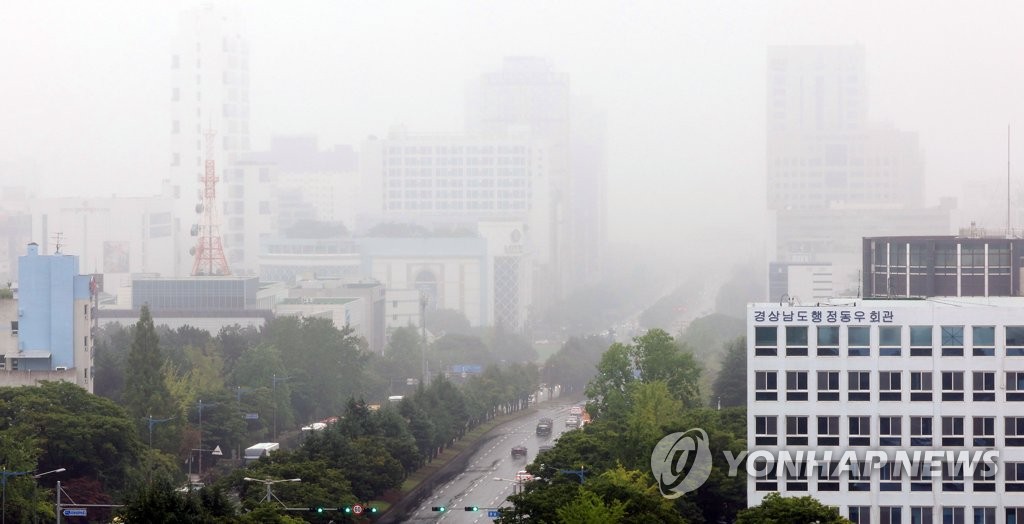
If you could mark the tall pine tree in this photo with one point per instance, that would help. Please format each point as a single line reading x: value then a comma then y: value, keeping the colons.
x: 145, y: 392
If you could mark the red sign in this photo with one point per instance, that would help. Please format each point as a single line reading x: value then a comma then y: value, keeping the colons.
x: 357, y: 509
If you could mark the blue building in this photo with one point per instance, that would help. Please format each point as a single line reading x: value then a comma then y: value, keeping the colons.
x: 51, y: 321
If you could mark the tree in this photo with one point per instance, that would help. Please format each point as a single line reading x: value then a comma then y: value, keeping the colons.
x: 146, y: 392
x: 730, y: 387
x: 158, y: 502
x: 659, y: 357
x: 776, y: 509
x: 588, y: 508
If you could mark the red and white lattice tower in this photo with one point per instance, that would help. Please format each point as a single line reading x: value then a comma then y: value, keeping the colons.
x: 209, y: 250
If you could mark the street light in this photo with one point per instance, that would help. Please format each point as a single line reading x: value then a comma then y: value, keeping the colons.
x: 4, y: 475
x: 274, y: 380
x: 268, y: 483
x: 152, y: 422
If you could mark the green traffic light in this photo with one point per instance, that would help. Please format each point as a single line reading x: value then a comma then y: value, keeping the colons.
x: 438, y: 508
x: 472, y: 508
x: 348, y: 509
x: 319, y: 510
x: 373, y: 510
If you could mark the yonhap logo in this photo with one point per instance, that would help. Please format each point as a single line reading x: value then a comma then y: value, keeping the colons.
x: 681, y: 462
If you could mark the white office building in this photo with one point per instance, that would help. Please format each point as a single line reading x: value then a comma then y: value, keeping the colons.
x: 944, y: 373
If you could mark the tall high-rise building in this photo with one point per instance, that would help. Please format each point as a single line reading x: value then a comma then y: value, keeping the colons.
x: 828, y: 164
x: 209, y: 92
x: 527, y: 95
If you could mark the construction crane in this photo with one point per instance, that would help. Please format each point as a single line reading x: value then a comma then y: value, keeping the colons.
x: 209, y: 250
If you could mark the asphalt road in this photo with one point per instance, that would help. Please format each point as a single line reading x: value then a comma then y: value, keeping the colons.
x: 475, y: 486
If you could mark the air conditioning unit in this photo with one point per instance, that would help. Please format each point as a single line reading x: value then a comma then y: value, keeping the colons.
x: 60, y: 368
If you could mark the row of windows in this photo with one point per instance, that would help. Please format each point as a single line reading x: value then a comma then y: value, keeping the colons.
x: 444, y: 182
x: 889, y: 340
x: 890, y: 386
x: 799, y: 476
x: 457, y: 205
x: 456, y: 150
x: 926, y: 515
x: 890, y: 430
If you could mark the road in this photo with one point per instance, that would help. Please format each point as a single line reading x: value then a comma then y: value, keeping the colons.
x: 476, y: 486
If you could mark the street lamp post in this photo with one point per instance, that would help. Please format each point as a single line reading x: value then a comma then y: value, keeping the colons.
x: 152, y: 422
x: 274, y: 380
x: 270, y: 493
x: 4, y: 475
x: 423, y: 338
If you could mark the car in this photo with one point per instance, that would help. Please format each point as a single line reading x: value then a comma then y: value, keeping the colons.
x: 544, y: 427
x: 576, y: 411
x: 518, y: 451
x: 572, y: 422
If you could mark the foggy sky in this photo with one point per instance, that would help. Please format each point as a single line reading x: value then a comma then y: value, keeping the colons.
x: 85, y: 87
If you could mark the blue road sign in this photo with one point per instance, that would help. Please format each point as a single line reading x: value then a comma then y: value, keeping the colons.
x: 74, y: 512
x: 492, y: 513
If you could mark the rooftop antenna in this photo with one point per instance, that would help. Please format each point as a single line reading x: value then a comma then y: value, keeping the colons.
x: 58, y: 241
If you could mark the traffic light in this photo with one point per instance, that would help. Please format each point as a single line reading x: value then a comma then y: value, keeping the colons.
x: 372, y: 510
x: 442, y: 509
x: 471, y: 508
x: 319, y: 509
x: 348, y: 509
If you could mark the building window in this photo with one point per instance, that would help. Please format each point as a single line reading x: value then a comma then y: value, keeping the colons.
x: 796, y: 341
x: 921, y: 514
x: 984, y: 431
x: 920, y: 341
x: 984, y: 384
x: 890, y: 477
x: 766, y: 341
x: 984, y: 515
x: 14, y: 327
x: 921, y: 479
x: 766, y: 478
x: 796, y: 476
x: 828, y: 430
x: 1015, y: 385
x: 860, y: 476
x: 920, y: 431
x: 828, y: 385
x: 796, y: 430
x: 890, y: 431
x: 890, y: 515
x: 860, y: 431
x: 828, y: 476
x: 920, y: 386
x: 859, y: 388
x: 1015, y: 341
x: 766, y: 430
x: 766, y: 385
x: 984, y: 478
x: 890, y: 386
x: 952, y: 385
x: 952, y: 431
x: 952, y: 515
x: 890, y: 341
x: 1014, y: 515
x: 984, y: 341
x: 796, y: 385
x: 1014, y: 476
x: 952, y: 341
x: 828, y: 341
x: 858, y: 343
x: 860, y: 514
x: 1014, y: 431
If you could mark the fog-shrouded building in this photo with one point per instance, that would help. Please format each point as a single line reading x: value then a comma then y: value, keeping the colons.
x: 48, y: 322
x: 209, y: 92
x: 884, y: 376
x: 965, y: 265
x: 833, y: 176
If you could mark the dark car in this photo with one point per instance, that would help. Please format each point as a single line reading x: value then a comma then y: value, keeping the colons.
x: 518, y: 451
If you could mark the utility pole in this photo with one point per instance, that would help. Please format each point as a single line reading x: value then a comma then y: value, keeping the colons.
x: 423, y: 338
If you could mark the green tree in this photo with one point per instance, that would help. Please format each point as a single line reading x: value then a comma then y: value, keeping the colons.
x: 146, y: 392
x: 158, y: 503
x: 730, y: 387
x: 589, y: 508
x: 776, y: 509
x: 659, y: 357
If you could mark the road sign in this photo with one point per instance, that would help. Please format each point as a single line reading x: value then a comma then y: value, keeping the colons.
x: 357, y: 509
x: 492, y: 513
x: 74, y: 512
x: 217, y: 452
x: 252, y: 416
